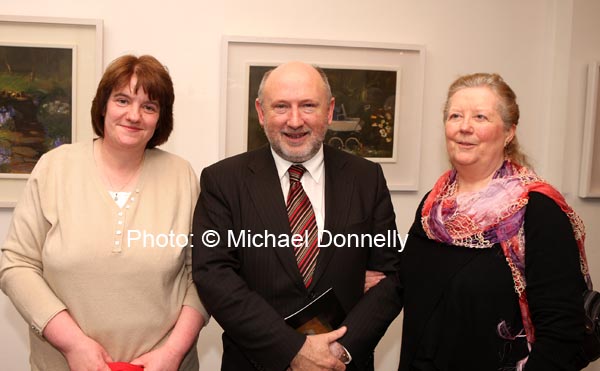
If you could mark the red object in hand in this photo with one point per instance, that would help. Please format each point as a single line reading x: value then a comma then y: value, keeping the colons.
x: 124, y: 366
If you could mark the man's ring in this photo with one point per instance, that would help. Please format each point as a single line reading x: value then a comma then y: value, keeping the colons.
x: 344, y: 357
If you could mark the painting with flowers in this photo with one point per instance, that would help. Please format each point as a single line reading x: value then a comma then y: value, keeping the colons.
x: 36, y: 104
x: 364, y: 114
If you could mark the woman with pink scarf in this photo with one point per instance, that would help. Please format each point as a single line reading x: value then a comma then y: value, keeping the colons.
x: 494, y: 268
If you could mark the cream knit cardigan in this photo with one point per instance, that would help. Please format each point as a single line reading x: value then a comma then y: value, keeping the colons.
x: 71, y: 247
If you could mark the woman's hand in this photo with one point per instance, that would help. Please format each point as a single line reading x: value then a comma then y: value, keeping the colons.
x: 87, y: 355
x: 82, y: 352
x: 168, y: 356
x: 372, y: 278
x: 164, y: 358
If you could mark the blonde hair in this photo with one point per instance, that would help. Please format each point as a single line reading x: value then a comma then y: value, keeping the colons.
x: 507, y: 107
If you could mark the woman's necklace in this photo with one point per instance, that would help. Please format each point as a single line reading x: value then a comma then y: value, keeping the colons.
x: 118, y: 191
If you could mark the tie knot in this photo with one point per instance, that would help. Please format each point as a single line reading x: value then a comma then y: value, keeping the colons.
x: 296, y: 172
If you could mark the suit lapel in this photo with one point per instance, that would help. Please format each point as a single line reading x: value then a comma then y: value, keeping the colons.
x: 264, y: 189
x: 339, y: 186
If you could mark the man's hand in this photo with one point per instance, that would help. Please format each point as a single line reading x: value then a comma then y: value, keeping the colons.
x: 315, y: 354
x: 372, y: 278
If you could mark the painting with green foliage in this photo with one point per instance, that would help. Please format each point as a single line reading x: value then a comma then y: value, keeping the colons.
x: 363, y: 117
x: 36, y: 104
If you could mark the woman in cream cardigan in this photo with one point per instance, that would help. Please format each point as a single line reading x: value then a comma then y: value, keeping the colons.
x: 96, y: 258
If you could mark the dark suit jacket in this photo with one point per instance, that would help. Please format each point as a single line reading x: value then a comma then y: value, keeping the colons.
x: 250, y: 290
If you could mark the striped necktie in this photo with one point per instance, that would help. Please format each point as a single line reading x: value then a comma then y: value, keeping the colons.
x: 302, y: 222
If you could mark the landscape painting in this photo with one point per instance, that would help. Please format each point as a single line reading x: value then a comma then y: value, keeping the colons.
x: 36, y: 104
x: 364, y: 115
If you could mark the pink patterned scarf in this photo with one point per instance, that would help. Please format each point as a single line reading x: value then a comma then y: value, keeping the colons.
x: 496, y: 215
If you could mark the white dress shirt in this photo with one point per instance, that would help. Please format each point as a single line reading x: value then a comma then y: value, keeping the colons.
x: 313, y: 182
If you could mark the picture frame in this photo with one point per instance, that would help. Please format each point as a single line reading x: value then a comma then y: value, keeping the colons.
x: 37, y: 93
x: 85, y: 38
x: 240, y: 53
x: 589, y: 174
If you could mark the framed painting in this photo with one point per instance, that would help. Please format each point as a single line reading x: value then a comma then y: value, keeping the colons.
x: 36, y: 100
x: 48, y: 74
x: 378, y: 90
x: 589, y: 174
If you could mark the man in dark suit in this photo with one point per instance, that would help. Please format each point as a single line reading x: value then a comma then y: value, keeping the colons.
x: 250, y: 289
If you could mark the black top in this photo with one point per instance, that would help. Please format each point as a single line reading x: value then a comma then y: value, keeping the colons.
x: 455, y: 297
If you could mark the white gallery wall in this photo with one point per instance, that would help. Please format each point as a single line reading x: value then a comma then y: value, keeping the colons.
x: 540, y: 47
